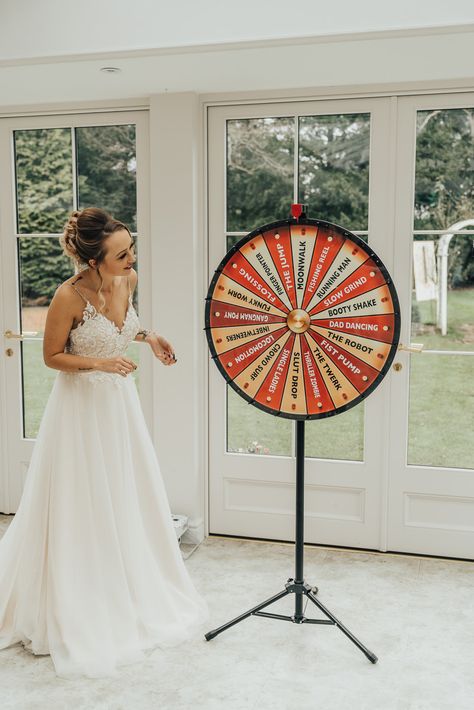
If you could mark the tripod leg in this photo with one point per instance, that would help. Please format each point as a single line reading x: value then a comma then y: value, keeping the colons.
x: 211, y: 634
x: 371, y: 656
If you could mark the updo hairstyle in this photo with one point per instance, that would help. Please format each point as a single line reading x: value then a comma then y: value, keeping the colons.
x: 85, y: 234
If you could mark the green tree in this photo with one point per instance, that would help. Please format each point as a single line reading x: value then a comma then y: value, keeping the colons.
x: 444, y: 189
x: 333, y: 169
x: 259, y: 172
x: 333, y: 174
x: 106, y: 177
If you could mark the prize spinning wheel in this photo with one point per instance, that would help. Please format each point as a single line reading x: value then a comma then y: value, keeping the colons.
x: 303, y: 321
x: 302, y: 318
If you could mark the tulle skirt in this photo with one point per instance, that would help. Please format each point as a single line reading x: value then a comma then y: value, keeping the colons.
x: 90, y: 567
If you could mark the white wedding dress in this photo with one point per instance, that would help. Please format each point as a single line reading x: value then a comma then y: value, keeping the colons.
x: 90, y: 567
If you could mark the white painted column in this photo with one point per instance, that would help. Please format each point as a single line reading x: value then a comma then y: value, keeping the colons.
x: 177, y: 291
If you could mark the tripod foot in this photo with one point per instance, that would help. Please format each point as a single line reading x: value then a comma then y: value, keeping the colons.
x: 371, y: 656
x: 254, y: 611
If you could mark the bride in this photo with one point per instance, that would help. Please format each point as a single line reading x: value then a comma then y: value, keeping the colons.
x: 90, y: 567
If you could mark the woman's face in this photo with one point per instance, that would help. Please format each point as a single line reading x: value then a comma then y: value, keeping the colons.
x: 120, y: 254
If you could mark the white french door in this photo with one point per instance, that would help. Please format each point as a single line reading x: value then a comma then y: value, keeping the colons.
x: 431, y: 486
x: 369, y: 478
x: 252, y: 454
x: 50, y: 165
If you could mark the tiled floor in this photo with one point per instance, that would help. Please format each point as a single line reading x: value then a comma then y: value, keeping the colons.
x: 416, y: 614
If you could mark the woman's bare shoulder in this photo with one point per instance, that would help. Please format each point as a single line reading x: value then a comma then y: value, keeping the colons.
x: 65, y: 294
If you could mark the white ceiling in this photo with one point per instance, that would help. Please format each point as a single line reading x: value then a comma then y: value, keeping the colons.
x: 52, y: 51
x: 61, y: 27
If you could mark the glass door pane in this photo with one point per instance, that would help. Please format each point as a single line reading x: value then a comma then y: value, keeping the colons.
x: 322, y: 161
x: 333, y: 171
x: 442, y: 313
x: 260, y: 189
x: 333, y: 168
x: 58, y: 170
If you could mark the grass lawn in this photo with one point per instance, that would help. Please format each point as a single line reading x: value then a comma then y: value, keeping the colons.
x: 460, y: 335
x: 441, y: 410
x: 339, y: 437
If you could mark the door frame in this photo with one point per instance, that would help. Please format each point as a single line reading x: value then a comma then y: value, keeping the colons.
x: 16, y: 450
x: 398, y: 206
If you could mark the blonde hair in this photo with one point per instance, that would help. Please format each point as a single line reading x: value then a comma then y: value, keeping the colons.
x: 84, y: 238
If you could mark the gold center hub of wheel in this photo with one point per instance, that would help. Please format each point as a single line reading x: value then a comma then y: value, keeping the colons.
x: 298, y: 320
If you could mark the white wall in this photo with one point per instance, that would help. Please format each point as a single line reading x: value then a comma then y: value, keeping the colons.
x: 178, y: 292
x: 54, y: 27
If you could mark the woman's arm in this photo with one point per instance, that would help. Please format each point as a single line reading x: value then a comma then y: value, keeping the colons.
x: 143, y: 332
x: 142, y: 335
x: 59, y: 321
x: 161, y: 348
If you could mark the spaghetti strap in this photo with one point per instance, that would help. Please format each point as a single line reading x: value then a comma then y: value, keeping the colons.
x: 80, y: 294
x: 129, y: 287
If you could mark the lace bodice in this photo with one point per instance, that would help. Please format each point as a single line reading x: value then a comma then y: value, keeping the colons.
x: 98, y: 336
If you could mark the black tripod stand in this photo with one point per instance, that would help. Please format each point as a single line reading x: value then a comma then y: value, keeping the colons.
x: 297, y: 585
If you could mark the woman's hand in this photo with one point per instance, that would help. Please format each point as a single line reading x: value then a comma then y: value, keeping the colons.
x: 162, y: 349
x: 120, y: 365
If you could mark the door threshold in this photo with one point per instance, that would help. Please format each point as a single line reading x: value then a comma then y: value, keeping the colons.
x: 368, y: 550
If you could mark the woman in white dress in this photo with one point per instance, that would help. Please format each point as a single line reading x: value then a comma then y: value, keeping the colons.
x: 90, y: 566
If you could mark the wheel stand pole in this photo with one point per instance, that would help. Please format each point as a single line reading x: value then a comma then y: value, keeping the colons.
x: 297, y: 586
